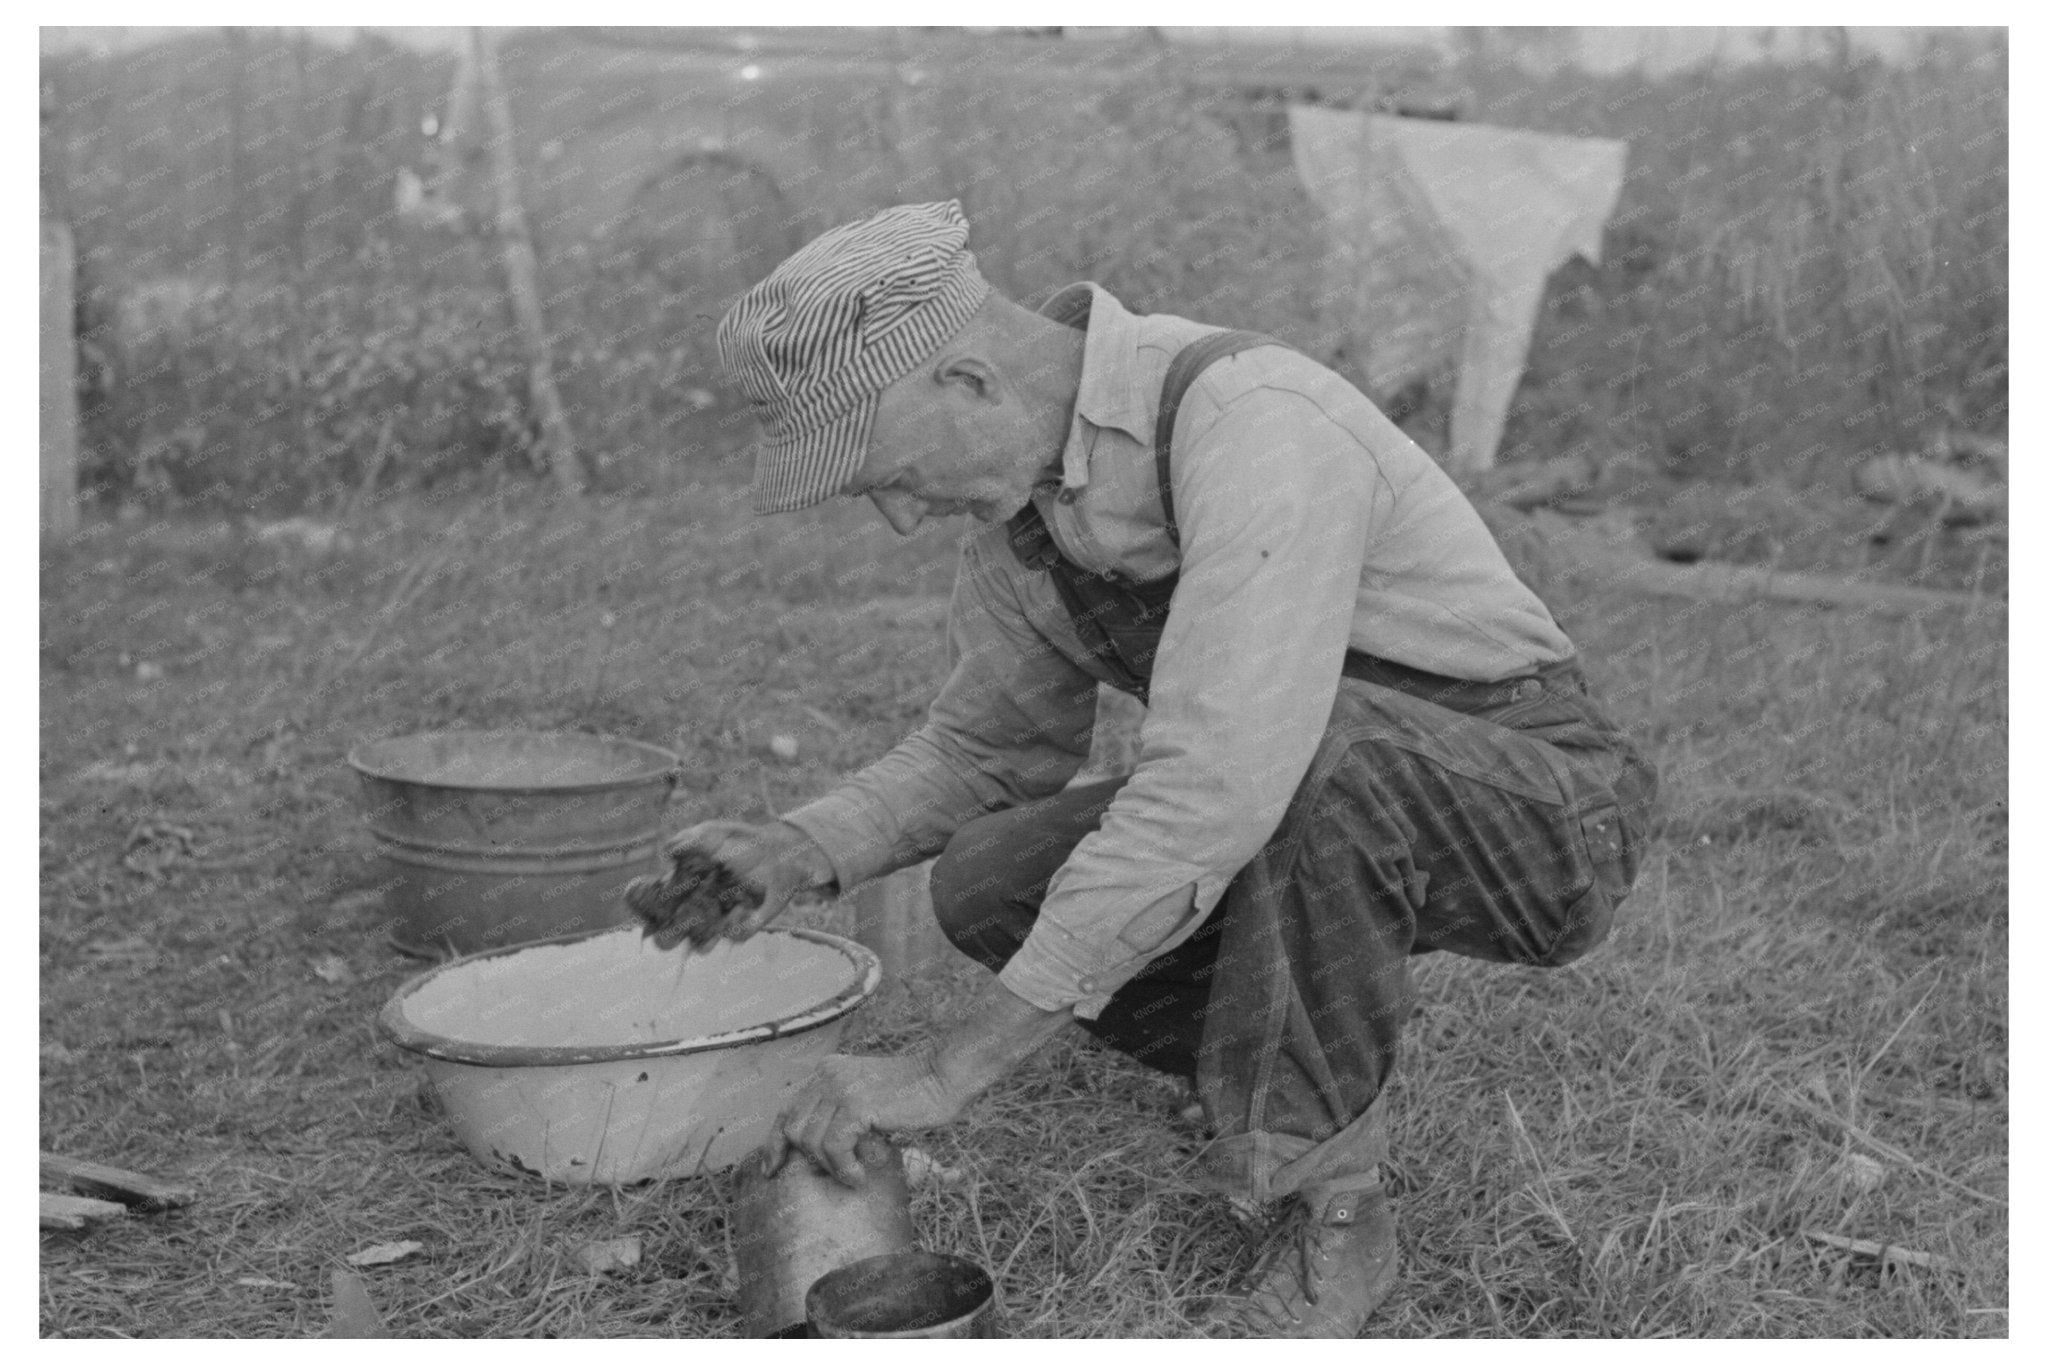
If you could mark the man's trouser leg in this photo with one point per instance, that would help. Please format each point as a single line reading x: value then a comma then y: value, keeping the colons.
x: 1506, y: 829
x: 989, y: 883
x: 1501, y: 824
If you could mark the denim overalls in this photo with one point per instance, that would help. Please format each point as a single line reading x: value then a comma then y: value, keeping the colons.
x: 1497, y: 820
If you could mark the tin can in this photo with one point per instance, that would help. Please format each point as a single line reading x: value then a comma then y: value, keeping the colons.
x: 903, y: 1294
x: 796, y: 1226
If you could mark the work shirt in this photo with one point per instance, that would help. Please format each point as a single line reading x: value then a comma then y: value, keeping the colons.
x: 1309, y: 525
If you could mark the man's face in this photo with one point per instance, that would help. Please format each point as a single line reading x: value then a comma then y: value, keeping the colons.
x: 943, y: 446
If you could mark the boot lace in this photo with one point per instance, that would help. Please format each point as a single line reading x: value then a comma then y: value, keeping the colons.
x: 1289, y: 1231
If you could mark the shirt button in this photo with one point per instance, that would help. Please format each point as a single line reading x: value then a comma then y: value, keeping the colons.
x: 1067, y: 496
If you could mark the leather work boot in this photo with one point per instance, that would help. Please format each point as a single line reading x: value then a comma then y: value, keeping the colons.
x: 1326, y: 1265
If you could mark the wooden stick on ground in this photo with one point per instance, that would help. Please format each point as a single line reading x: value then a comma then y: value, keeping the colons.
x: 142, y: 1192
x: 1630, y: 564
x: 1883, y: 1252
x: 70, y: 1213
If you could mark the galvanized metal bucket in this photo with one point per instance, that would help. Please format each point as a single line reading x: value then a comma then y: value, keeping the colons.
x: 496, y: 837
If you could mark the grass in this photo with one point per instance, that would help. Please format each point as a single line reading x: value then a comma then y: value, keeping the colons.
x: 1813, y: 968
x: 1829, y: 238
x: 1798, y: 1027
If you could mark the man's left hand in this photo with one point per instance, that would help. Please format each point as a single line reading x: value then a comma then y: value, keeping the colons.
x: 850, y: 1096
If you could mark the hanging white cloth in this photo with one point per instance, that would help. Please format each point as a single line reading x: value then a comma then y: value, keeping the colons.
x: 1443, y: 235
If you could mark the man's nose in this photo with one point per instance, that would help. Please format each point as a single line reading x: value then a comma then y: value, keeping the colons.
x: 903, y: 511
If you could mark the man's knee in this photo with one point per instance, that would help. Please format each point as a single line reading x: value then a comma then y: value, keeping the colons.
x: 987, y: 884
x: 977, y: 897
x: 965, y: 883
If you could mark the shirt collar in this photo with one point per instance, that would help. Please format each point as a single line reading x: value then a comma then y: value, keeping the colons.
x: 1108, y: 394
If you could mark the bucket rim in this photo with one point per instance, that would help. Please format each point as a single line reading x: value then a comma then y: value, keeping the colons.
x: 393, y: 1024
x: 967, y: 1271
x: 358, y: 758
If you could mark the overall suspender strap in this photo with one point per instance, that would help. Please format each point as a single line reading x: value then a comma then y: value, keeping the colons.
x: 1186, y: 366
x: 1120, y: 623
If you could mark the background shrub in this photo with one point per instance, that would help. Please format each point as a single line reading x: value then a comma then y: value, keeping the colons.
x: 1807, y: 262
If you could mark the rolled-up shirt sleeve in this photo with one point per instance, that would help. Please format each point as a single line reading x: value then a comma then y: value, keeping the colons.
x: 1010, y: 724
x: 1276, y: 503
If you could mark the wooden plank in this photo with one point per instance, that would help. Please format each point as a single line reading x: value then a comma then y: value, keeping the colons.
x: 70, y: 1213
x: 109, y: 1182
x: 1630, y: 564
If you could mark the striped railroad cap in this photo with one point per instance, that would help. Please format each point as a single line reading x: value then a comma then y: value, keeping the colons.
x: 815, y: 343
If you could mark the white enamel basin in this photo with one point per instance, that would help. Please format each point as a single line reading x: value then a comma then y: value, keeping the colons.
x: 600, y: 1059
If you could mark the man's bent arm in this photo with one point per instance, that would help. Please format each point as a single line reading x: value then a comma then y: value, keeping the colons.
x: 1277, y: 504
x: 1011, y: 724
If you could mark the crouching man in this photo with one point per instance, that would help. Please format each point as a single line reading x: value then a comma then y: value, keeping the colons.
x: 1365, y: 737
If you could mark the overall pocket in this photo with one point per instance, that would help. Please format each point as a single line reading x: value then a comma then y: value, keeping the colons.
x: 1585, y: 923
x: 1610, y: 789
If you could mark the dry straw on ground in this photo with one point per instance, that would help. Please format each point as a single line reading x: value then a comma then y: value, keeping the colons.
x: 1636, y: 1146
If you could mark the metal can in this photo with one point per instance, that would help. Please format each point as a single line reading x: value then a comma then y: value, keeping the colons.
x: 903, y: 1294
x: 794, y: 1227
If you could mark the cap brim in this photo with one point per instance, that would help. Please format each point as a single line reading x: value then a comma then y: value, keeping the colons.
x: 806, y: 469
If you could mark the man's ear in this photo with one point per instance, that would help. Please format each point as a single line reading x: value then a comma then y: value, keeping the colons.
x: 976, y: 376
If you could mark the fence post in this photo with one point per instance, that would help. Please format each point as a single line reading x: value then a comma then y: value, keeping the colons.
x: 522, y: 269
x: 58, y: 465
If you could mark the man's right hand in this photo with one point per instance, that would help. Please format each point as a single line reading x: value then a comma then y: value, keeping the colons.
x: 777, y: 861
